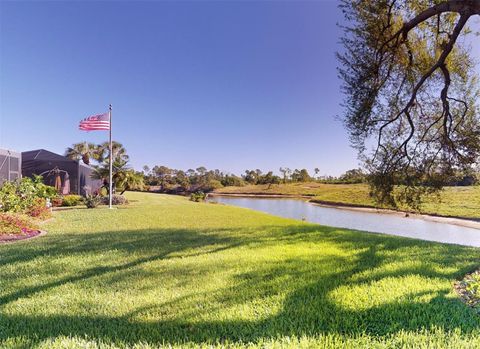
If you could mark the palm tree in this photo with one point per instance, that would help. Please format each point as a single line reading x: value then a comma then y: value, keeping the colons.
x: 119, y: 168
x: 83, y: 150
x: 122, y: 177
x: 119, y: 153
x: 130, y: 180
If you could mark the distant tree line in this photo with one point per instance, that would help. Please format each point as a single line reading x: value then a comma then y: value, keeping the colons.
x: 168, y: 180
x: 174, y: 181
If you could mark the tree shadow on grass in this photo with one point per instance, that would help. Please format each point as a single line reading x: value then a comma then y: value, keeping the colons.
x: 146, y: 240
x: 154, y: 245
x: 316, y: 288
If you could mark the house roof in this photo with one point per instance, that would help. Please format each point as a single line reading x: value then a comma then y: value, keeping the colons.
x: 8, y: 152
x: 44, y: 155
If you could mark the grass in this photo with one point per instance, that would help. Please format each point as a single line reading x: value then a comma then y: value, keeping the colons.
x: 453, y: 201
x: 168, y: 272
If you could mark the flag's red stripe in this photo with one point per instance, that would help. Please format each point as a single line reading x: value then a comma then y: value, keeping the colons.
x: 100, y: 122
x: 93, y: 125
x: 94, y: 128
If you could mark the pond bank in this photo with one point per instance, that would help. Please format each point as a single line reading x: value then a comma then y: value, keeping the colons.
x: 460, y: 221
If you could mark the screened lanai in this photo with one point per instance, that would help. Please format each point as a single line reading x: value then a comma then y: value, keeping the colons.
x: 68, y: 176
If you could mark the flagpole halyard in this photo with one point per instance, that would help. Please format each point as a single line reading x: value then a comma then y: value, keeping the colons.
x: 111, y: 161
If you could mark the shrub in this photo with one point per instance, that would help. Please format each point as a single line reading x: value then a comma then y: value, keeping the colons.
x: 116, y: 200
x: 103, y: 191
x: 198, y: 196
x: 20, y: 195
x: 10, y: 201
x: 209, y: 186
x: 39, y: 209
x: 43, y: 190
x: 232, y: 181
x: 57, y: 201
x: 92, y: 201
x: 71, y: 200
x: 15, y: 224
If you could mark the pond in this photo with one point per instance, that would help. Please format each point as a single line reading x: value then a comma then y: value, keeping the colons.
x: 392, y: 224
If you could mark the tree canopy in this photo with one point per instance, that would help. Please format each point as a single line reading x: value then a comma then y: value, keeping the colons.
x: 123, y: 176
x: 410, y: 89
x: 82, y: 151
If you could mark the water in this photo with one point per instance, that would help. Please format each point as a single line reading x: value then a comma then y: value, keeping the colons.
x: 367, y: 221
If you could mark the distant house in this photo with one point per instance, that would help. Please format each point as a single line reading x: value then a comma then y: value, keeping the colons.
x: 67, y: 175
x: 10, y: 165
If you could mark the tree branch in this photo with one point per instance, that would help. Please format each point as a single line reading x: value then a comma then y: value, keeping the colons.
x: 439, y: 64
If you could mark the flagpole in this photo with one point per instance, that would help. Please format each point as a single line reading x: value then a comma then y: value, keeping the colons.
x: 111, y: 161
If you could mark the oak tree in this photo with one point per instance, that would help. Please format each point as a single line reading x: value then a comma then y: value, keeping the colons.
x: 411, y: 92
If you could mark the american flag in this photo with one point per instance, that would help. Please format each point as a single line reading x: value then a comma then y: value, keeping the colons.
x: 95, y: 123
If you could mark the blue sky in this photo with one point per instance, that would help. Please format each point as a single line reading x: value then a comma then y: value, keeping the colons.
x: 228, y: 85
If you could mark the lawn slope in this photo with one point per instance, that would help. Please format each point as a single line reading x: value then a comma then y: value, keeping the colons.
x: 166, y: 271
x: 453, y: 201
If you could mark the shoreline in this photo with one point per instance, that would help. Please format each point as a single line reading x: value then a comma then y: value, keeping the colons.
x: 261, y: 195
x: 460, y: 221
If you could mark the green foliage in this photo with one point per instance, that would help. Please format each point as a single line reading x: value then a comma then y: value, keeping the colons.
x: 92, y: 201
x: 473, y: 286
x: 20, y: 195
x: 163, y: 176
x: 82, y: 151
x: 11, y: 199
x: 71, y: 200
x: 211, y: 185
x: 123, y: 176
x: 103, y: 192
x: 184, y: 182
x: 469, y: 289
x: 167, y: 272
x: 119, y: 153
x: 296, y: 175
x: 301, y: 176
x: 269, y: 179
x: 232, y: 181
x: 252, y: 176
x: 198, y: 196
x: 353, y: 176
x: 411, y: 194
x: 411, y: 92
x: 129, y: 180
x: 42, y: 190
x: 99, y: 152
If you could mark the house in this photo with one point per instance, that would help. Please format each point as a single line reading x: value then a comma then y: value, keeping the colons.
x: 67, y: 175
x: 10, y: 165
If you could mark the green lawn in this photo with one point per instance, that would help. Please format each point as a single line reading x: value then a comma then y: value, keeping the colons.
x: 166, y: 271
x: 454, y: 201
